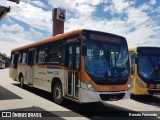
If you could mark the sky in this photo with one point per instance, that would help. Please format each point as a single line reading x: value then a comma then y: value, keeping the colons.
x: 31, y: 20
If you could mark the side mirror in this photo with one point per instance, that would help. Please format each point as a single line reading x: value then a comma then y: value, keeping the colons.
x: 84, y: 50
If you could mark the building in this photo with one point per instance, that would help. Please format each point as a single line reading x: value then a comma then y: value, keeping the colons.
x: 5, y: 10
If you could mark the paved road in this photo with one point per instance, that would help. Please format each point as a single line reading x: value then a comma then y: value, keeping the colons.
x: 14, y: 98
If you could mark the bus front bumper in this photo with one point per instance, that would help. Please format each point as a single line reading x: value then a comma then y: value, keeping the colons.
x: 89, y: 96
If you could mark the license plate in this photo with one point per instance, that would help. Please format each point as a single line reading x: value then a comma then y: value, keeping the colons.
x: 113, y: 99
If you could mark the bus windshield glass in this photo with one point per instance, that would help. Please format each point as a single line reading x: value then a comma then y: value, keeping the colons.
x: 149, y: 66
x: 107, y: 63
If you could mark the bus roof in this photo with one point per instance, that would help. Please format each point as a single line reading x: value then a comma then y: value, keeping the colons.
x: 57, y: 37
x: 135, y: 48
x: 54, y: 38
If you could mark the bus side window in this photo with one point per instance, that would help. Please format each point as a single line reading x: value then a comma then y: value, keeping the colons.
x: 16, y: 56
x: 62, y: 55
x: 55, y: 54
x: 20, y: 58
x: 24, y: 58
x: 77, y: 58
x: 12, y: 59
x: 35, y: 57
x: 42, y: 55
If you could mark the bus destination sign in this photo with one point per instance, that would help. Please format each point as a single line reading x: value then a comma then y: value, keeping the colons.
x: 104, y: 38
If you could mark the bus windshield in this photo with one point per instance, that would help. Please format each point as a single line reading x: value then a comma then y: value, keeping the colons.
x: 149, y: 66
x: 107, y: 63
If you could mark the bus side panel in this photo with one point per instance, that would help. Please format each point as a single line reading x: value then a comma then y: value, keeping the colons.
x: 13, y: 72
x: 54, y: 73
x: 22, y: 69
x: 43, y: 77
x: 38, y: 75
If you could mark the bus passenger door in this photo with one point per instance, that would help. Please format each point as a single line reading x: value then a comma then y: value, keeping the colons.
x: 14, y: 62
x: 31, y: 57
x: 73, y: 63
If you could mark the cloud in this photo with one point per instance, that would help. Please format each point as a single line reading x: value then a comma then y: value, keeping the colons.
x: 135, y: 22
x: 38, y: 4
x: 152, y: 2
x: 83, y: 8
x: 136, y: 16
x: 72, y: 4
x: 14, y: 36
x: 32, y: 15
x: 33, y: 33
x: 118, y: 6
x: 15, y: 28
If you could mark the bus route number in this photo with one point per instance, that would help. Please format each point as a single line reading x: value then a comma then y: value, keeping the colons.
x: 56, y: 72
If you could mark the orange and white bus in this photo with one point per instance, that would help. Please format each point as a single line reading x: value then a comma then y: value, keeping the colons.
x: 145, y: 70
x: 82, y: 65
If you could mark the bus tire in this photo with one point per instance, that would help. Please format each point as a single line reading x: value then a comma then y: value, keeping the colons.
x: 21, y: 81
x: 58, y: 93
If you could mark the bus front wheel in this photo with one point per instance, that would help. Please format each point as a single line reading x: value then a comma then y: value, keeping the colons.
x: 58, y: 93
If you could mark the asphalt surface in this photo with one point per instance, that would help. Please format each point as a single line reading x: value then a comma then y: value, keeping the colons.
x: 15, y: 98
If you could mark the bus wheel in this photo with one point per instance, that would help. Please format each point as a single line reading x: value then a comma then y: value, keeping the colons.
x: 58, y: 93
x: 21, y: 81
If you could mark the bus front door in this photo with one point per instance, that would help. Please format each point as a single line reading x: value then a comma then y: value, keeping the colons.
x: 31, y: 56
x: 15, y: 64
x: 73, y: 63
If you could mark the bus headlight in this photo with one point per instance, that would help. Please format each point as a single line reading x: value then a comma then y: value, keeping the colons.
x: 89, y: 86
x: 141, y: 84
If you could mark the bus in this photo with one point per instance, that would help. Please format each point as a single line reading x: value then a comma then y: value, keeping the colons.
x: 145, y: 70
x: 81, y: 65
x: 2, y: 64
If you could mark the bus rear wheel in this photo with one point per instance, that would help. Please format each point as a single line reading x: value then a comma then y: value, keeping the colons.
x: 58, y: 93
x: 21, y: 81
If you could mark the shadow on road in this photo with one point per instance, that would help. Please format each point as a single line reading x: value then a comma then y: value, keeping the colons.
x: 147, y: 99
x: 94, y: 111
